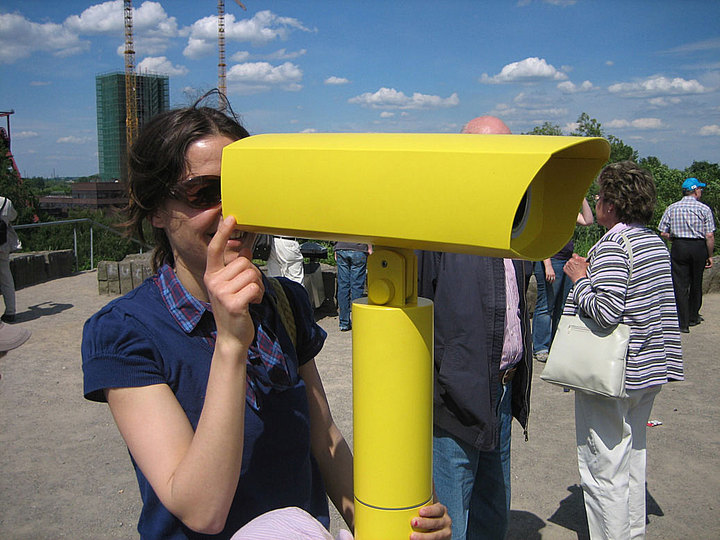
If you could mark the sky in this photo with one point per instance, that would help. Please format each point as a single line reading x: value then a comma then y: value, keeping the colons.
x: 648, y: 71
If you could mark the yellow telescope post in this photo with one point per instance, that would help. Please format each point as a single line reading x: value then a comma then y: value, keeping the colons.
x: 392, y: 398
x: 495, y: 195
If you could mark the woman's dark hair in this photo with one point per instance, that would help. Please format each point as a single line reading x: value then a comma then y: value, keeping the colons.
x: 630, y: 189
x: 157, y: 162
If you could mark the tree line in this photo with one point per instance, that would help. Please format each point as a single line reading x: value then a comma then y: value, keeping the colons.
x: 107, y: 246
x: 668, y: 181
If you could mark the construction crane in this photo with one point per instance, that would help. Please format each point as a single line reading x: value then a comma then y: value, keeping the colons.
x: 131, y: 117
x: 222, y: 85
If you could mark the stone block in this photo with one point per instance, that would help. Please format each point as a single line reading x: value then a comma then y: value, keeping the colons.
x: 125, y: 275
x: 137, y: 272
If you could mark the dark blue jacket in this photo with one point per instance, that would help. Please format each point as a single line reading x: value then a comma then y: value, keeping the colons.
x: 469, y: 296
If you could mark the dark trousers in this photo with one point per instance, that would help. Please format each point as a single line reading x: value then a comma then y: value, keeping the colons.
x: 688, y: 262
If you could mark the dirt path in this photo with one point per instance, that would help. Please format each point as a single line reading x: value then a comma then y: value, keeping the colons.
x: 65, y: 472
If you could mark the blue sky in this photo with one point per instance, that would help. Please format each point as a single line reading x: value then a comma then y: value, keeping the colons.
x: 649, y: 71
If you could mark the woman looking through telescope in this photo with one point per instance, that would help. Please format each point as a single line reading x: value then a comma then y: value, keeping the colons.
x: 224, y: 417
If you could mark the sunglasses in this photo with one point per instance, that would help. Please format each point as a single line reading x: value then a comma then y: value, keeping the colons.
x: 199, y: 191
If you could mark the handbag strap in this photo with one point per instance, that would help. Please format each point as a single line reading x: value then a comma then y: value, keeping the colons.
x: 628, y: 249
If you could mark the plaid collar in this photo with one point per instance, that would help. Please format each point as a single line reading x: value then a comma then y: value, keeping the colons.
x: 184, y: 307
x: 268, y: 366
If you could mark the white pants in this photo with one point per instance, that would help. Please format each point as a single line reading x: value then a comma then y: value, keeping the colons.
x: 7, y: 285
x: 285, y: 260
x: 611, y: 441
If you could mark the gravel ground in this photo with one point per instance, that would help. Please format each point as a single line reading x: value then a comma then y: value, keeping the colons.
x: 65, y: 472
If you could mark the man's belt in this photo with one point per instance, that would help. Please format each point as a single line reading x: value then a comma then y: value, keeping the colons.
x: 506, y: 375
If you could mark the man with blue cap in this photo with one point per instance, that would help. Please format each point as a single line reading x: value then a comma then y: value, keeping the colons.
x: 689, y: 225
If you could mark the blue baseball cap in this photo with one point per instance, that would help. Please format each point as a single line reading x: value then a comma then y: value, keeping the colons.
x: 691, y: 184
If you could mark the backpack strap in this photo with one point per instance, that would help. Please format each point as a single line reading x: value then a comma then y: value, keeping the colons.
x: 283, y: 306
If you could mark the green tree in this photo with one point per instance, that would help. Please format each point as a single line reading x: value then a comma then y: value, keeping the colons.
x: 12, y: 187
x: 708, y: 173
x: 546, y: 129
x: 667, y: 185
x: 588, y: 127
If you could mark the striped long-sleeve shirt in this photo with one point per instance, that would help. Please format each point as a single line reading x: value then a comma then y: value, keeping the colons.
x: 646, y: 303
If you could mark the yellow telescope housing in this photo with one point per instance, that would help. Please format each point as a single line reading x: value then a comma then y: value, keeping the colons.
x: 495, y: 195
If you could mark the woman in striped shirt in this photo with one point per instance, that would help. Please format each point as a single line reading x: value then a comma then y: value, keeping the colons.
x: 613, y: 287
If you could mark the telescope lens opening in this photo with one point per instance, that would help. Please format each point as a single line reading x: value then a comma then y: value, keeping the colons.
x: 521, y: 215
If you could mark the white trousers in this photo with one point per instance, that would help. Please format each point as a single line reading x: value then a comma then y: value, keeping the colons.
x: 611, y: 441
x: 7, y: 285
x: 285, y: 260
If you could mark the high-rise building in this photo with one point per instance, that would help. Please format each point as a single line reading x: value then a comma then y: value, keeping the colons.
x: 153, y: 97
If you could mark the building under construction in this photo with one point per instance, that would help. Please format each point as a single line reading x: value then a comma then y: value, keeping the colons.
x: 153, y: 97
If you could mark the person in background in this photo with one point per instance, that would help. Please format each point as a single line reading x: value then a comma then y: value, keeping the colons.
x: 351, y: 259
x: 285, y: 259
x: 225, y: 418
x: 612, y: 287
x: 12, y: 243
x: 11, y: 337
x: 553, y: 287
x: 483, y: 369
x: 690, y: 226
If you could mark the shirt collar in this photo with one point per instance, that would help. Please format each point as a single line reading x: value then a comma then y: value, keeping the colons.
x: 184, y: 307
x: 188, y: 310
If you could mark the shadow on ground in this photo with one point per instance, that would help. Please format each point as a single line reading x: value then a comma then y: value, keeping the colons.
x: 42, y: 310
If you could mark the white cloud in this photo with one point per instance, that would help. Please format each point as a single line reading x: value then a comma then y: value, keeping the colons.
x: 638, y: 123
x: 387, y: 114
x: 40, y: 83
x: 152, y: 27
x: 240, y: 56
x: 617, y: 123
x: 706, y: 45
x: 259, y: 76
x: 530, y: 107
x: 389, y: 98
x: 25, y: 135
x: 658, y: 86
x: 336, y: 80
x: 19, y: 38
x: 531, y: 69
x: 609, y: 63
x: 283, y: 54
x: 707, y: 131
x: 570, y: 87
x: 105, y: 18
x: 562, y: 3
x: 71, y: 139
x: 261, y: 29
x: 198, y: 48
x: 160, y: 64
x: 309, y: 130
x: 664, y: 101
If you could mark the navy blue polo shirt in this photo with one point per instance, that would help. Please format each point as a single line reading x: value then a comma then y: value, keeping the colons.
x: 139, y: 340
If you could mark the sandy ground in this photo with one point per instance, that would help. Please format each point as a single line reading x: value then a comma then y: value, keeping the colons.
x: 65, y: 472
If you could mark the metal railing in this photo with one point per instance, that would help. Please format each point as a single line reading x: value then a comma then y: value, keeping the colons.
x: 75, y: 242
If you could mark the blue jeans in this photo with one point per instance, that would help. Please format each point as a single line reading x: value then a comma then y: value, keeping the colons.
x: 550, y: 303
x: 475, y: 485
x: 351, y: 272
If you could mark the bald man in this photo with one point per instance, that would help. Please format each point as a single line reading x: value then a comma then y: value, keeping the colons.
x: 483, y: 363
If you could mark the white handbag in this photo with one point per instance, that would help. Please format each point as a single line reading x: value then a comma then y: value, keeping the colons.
x: 587, y: 357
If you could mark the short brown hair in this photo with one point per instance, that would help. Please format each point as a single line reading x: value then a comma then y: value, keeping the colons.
x: 157, y: 162
x: 630, y: 189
